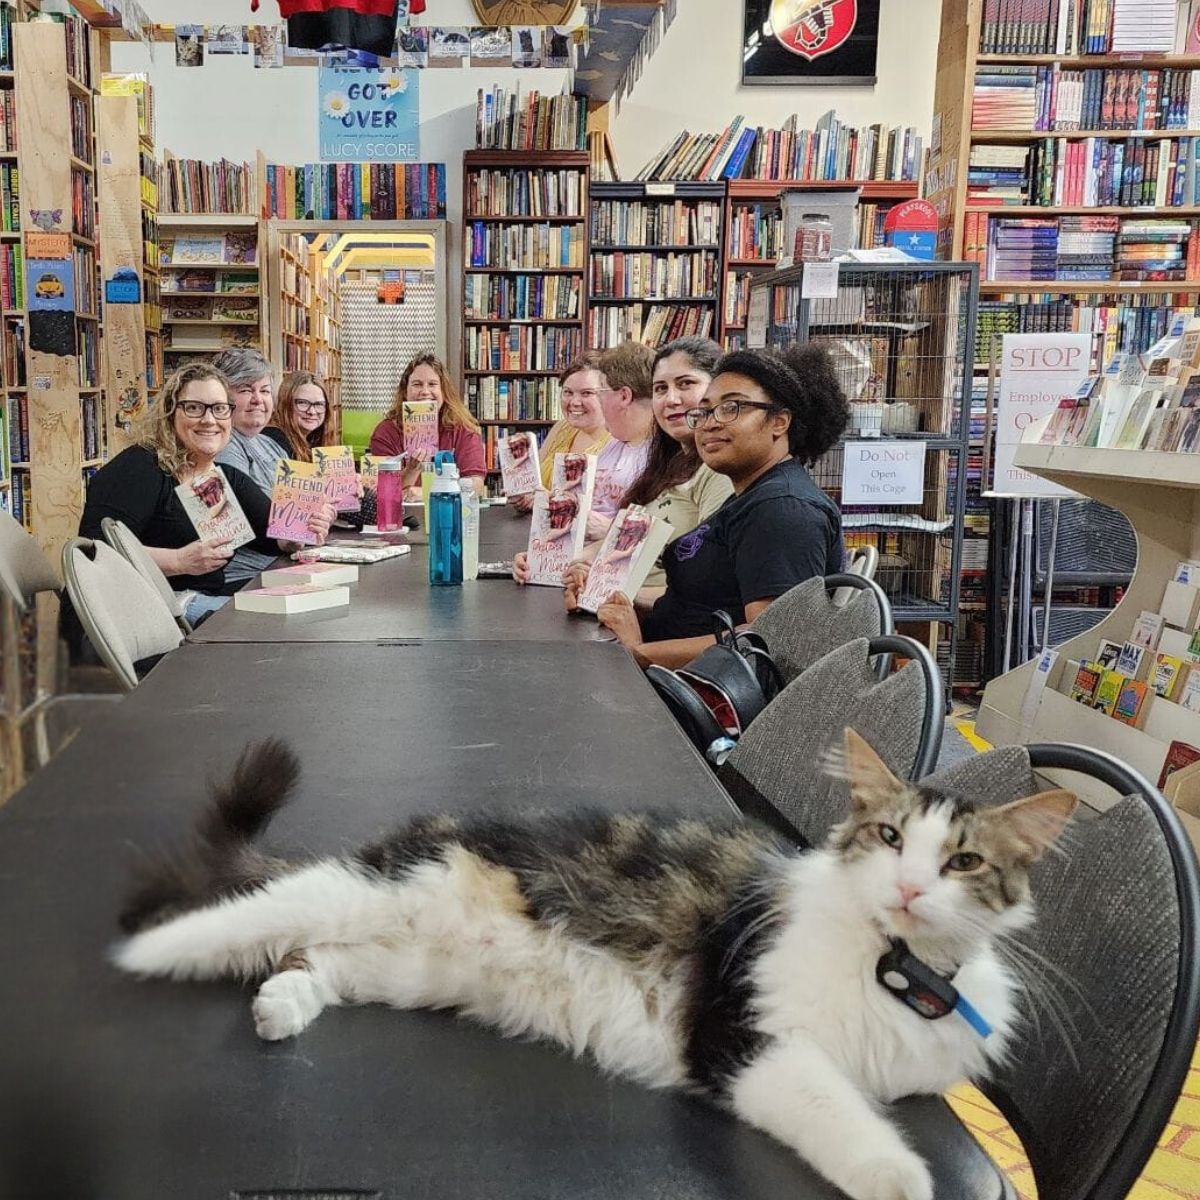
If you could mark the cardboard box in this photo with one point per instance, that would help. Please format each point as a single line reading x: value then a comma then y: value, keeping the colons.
x: 1180, y: 605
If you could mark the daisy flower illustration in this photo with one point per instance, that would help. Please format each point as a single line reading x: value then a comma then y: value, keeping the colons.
x: 394, y: 81
x: 336, y: 104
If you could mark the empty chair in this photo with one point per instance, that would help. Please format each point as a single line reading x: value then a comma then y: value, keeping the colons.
x: 808, y: 621
x: 124, y: 617
x: 776, y: 772
x: 122, y: 539
x: 1113, y: 971
x: 26, y: 573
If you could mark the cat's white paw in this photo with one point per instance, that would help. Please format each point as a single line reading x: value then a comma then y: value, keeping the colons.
x: 899, y: 1176
x: 285, y: 1005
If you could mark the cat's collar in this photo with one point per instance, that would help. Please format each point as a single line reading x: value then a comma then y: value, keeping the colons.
x: 927, y: 992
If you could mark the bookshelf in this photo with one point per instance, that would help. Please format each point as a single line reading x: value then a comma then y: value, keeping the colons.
x: 524, y: 282
x: 1024, y: 174
x: 654, y: 262
x: 191, y: 186
x: 211, y: 284
x: 753, y: 232
x: 128, y: 191
x: 305, y: 313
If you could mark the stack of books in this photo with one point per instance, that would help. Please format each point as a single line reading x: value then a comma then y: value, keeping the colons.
x: 1079, y: 27
x: 503, y: 121
x: 1156, y: 250
x: 192, y: 186
x: 1085, y: 248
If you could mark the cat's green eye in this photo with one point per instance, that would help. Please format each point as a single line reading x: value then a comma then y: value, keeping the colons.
x: 891, y: 836
x: 964, y: 862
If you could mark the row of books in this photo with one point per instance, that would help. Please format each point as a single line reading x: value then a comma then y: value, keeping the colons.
x: 653, y: 324
x: 356, y: 191
x: 520, y: 348
x: 14, y: 352
x: 1136, y: 173
x: 86, y: 294
x: 665, y: 223
x: 10, y: 198
x: 1140, y: 402
x: 8, y: 15
x: 1078, y: 248
x: 150, y: 255
x: 1050, y: 98
x: 80, y: 115
x: 492, y: 399
x: 190, y: 185
x: 8, y: 116
x: 79, y: 48
x: 523, y: 247
x: 520, y: 192
x: 18, y: 429
x: 149, y: 168
x: 12, y: 276
x: 20, y: 496
x: 154, y: 360
x: 1079, y: 27
x: 646, y: 276
x: 91, y: 427
x: 189, y: 340
x: 83, y: 203
x: 503, y: 121
x: 152, y: 303
x: 522, y: 297
x: 756, y: 231
x: 135, y: 84
x: 208, y: 308
x: 235, y: 247
x: 199, y: 281
x: 87, y: 350
x: 831, y: 151
x: 1128, y: 327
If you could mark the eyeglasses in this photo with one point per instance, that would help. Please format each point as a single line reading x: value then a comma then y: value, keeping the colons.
x: 724, y: 413
x: 310, y: 406
x: 196, y: 410
x: 588, y: 394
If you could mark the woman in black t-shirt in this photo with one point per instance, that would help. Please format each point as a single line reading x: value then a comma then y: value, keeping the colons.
x: 190, y: 427
x: 764, y: 418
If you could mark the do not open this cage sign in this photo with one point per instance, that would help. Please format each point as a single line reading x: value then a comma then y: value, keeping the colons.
x: 369, y: 115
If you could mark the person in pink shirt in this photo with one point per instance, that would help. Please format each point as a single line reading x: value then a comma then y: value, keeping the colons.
x: 426, y: 378
x: 628, y: 413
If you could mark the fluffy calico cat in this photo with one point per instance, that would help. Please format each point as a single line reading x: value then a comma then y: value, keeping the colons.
x: 678, y: 953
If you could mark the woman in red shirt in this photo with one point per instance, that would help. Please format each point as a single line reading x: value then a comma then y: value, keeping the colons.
x: 426, y: 378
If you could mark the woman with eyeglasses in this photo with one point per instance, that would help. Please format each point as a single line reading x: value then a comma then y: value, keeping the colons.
x: 764, y: 419
x: 188, y: 429
x: 301, y: 419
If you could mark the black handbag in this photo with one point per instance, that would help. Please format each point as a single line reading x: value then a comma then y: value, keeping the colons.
x: 718, y: 694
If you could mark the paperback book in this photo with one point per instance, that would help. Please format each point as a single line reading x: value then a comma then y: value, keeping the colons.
x: 291, y: 598
x: 520, y: 468
x: 298, y: 494
x: 214, y: 510
x: 629, y: 551
x: 1086, y: 681
x: 559, y: 526
x: 1131, y: 705
x: 315, y: 574
x: 1179, y: 755
x: 419, y: 420
x: 1108, y: 691
x: 336, y: 466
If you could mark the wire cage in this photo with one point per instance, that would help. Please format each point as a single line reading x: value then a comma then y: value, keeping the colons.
x: 901, y: 336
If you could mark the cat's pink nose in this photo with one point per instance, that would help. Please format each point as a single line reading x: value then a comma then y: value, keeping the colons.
x: 908, y: 893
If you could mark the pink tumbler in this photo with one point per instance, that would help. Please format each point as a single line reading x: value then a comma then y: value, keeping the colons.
x: 390, y: 497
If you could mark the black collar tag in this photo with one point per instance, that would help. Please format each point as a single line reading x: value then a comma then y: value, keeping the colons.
x: 915, y: 983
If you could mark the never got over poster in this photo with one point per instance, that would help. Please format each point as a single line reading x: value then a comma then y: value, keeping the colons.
x: 369, y: 115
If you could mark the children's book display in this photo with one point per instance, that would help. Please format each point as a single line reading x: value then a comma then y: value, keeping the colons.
x: 559, y: 527
x: 520, y: 468
x: 1147, y: 401
x: 214, y: 510
x: 629, y: 551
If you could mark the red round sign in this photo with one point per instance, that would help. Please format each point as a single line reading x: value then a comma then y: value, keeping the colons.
x: 811, y: 28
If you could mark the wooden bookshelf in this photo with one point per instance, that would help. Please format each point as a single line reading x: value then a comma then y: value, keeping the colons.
x: 128, y: 192
x: 690, y: 219
x: 501, y: 308
x: 219, y: 275
x: 305, y: 314
x: 745, y: 195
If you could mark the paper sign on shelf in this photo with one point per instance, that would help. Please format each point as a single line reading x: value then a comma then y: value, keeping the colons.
x: 820, y: 281
x: 756, y: 318
x: 883, y: 473
x: 1037, y: 370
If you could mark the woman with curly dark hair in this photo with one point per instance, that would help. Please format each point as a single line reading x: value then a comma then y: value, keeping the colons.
x: 764, y: 420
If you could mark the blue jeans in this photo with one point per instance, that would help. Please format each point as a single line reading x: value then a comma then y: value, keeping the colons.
x: 201, y: 606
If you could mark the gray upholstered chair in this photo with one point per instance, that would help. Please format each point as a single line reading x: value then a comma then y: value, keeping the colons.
x: 124, y: 617
x: 808, y: 621
x: 122, y: 539
x: 1114, y: 967
x: 25, y: 574
x: 775, y: 772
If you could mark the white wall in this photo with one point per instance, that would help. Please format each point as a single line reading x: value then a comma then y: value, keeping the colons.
x: 693, y: 81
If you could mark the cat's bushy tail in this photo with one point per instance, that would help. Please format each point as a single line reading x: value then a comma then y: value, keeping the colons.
x: 221, y: 860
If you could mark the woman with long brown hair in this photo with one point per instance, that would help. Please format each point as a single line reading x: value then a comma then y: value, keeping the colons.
x: 426, y: 378
x: 302, y: 415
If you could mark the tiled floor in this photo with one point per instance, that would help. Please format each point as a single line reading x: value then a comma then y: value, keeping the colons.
x: 1173, y: 1172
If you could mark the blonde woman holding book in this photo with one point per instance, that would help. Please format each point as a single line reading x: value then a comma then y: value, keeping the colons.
x: 581, y: 430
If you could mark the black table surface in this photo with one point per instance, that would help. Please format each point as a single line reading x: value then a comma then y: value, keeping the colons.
x: 393, y: 601
x: 115, y: 1089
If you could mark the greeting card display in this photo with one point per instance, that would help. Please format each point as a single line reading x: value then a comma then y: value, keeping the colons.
x: 214, y: 510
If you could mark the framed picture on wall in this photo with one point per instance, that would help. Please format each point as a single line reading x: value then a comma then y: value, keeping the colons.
x: 810, y: 41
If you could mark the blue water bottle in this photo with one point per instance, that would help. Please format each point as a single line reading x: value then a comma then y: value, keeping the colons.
x: 445, y: 523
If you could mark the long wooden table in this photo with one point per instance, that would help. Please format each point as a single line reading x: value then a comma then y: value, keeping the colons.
x: 114, y: 1089
x: 393, y: 601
